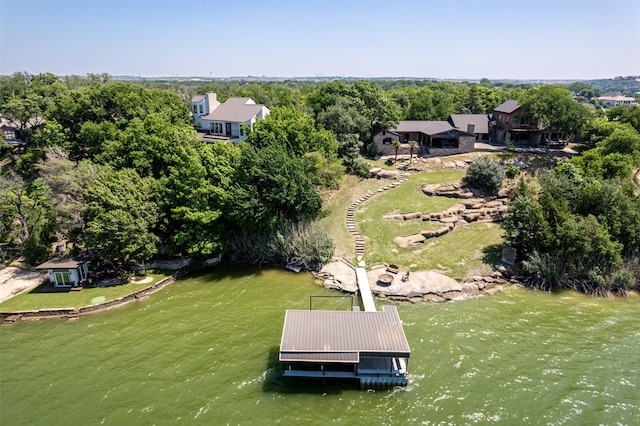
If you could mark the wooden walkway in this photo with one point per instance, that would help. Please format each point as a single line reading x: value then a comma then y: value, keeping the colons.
x: 365, y: 290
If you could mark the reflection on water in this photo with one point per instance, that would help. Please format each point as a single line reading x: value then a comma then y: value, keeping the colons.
x: 204, y: 350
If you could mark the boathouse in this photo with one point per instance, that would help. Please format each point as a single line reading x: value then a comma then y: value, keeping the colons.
x: 370, y: 347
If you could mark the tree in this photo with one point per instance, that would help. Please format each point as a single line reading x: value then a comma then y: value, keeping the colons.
x: 121, y: 216
x: 295, y: 131
x: 555, y: 108
x: 68, y: 182
x: 23, y: 209
x: 526, y: 228
x: 271, y: 187
x: 195, y: 197
x: 623, y: 140
x: 412, y: 146
x: 486, y: 174
x: 396, y: 145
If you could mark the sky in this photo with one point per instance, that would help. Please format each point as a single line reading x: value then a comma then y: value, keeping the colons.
x: 454, y: 39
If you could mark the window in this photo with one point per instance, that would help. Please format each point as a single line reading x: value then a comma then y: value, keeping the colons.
x: 387, y: 141
x: 63, y: 279
x: 195, y: 109
x: 216, y: 127
x: 200, y: 107
x: 514, y: 121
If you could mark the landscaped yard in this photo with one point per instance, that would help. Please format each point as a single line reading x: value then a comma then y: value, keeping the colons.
x: 468, y: 250
x: 34, y: 299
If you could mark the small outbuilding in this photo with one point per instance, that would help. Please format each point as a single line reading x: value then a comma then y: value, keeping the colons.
x: 65, y: 272
x: 370, y: 347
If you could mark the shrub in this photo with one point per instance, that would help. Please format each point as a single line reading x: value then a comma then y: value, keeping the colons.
x: 512, y: 171
x: 361, y: 168
x: 544, y: 270
x: 486, y: 174
x: 304, y: 243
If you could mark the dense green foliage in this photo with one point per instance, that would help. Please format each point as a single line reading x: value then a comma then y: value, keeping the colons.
x: 117, y: 167
x: 579, y: 230
x: 486, y: 174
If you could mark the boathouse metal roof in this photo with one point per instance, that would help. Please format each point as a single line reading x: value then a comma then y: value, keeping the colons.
x: 341, y: 336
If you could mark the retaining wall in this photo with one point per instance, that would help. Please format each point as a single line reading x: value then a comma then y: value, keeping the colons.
x: 77, y: 312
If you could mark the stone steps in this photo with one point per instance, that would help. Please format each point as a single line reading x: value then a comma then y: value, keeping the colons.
x: 351, y: 226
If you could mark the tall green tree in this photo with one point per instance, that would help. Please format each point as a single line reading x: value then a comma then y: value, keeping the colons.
x: 556, y: 110
x: 271, y: 187
x: 122, y: 215
x: 196, y: 193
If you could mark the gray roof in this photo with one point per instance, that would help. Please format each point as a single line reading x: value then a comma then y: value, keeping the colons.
x: 61, y: 263
x: 340, y: 336
x: 197, y: 98
x: 427, y: 127
x: 461, y: 121
x: 508, y: 106
x: 235, y: 110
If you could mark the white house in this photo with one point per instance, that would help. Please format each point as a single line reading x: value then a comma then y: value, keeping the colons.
x: 224, y: 121
x: 65, y: 272
x: 613, y: 101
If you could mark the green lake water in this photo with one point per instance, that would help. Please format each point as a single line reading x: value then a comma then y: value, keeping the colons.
x: 204, y: 351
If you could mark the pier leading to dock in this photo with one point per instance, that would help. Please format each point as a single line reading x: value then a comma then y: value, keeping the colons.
x: 365, y: 290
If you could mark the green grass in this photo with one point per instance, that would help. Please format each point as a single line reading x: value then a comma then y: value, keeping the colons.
x: 467, y: 250
x: 34, y: 299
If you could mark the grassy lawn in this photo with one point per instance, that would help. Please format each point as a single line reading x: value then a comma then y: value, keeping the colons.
x: 34, y: 299
x: 467, y: 250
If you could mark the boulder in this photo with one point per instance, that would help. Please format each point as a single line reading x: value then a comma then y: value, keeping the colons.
x: 431, y: 189
x: 472, y: 202
x: 412, y: 216
x: 495, y: 203
x: 471, y: 289
x: 450, y: 219
x: 393, y: 217
x: 409, y: 241
x: 433, y: 298
x: 453, y: 295
x: 388, y: 174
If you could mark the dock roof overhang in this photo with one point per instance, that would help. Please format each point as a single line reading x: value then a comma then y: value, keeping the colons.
x: 342, y: 336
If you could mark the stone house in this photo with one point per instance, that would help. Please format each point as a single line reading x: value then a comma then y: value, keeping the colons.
x: 434, y: 138
x: 512, y: 124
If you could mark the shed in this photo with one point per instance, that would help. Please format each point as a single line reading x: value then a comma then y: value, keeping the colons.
x: 370, y: 347
x: 66, y: 272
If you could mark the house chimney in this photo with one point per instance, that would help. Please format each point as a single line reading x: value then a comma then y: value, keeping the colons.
x: 211, y: 102
x: 471, y: 127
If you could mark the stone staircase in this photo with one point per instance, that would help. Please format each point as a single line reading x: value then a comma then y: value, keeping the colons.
x: 351, y: 226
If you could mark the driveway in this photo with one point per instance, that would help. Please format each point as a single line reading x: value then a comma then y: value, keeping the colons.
x: 14, y: 281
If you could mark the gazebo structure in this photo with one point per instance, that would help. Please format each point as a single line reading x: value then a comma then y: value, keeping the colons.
x: 66, y: 272
x: 370, y: 347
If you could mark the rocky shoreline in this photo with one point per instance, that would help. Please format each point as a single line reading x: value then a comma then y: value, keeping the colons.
x: 414, y: 287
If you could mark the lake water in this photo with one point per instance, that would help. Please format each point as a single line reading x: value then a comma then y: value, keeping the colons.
x: 204, y: 351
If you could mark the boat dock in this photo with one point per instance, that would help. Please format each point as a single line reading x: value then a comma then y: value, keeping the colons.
x: 365, y: 290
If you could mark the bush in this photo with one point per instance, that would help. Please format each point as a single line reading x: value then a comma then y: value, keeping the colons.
x: 303, y: 243
x: 544, y: 270
x: 512, y: 171
x: 361, y: 168
x: 486, y: 174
